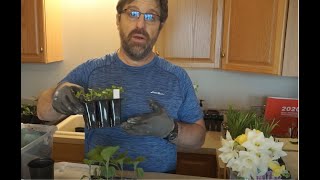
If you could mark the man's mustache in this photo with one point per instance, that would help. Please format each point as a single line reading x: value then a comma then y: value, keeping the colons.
x: 139, y: 31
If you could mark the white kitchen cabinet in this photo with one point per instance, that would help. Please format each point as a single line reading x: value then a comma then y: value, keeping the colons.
x: 291, y: 58
x: 41, y: 31
x: 190, y: 34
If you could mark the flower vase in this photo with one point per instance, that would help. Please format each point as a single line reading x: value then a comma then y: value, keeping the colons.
x: 233, y: 174
x: 267, y: 176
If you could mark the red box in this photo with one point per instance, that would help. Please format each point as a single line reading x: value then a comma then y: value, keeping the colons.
x: 284, y: 110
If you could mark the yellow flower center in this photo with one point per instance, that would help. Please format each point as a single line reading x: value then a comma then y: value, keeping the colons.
x: 241, y: 138
x: 277, y: 170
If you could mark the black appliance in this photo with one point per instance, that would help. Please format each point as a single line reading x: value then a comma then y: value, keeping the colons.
x: 213, y: 120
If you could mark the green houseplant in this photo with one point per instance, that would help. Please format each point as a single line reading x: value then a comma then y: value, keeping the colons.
x: 101, y: 108
x: 238, y: 120
x: 104, y: 161
x: 29, y: 114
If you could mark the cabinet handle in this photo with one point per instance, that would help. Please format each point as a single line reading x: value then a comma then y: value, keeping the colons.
x: 41, y: 49
x: 222, y: 54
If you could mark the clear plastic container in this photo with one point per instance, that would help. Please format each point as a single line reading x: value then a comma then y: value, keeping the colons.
x: 36, y: 148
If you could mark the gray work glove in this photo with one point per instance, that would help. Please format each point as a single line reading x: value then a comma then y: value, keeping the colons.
x: 64, y: 100
x: 156, y: 123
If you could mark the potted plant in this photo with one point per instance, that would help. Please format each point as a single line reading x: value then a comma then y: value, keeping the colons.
x: 236, y: 122
x: 29, y: 114
x: 251, y: 155
x: 244, y: 131
x: 106, y: 162
x: 102, y: 107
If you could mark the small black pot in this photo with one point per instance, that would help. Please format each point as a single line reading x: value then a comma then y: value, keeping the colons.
x: 41, y: 168
x: 115, y: 112
x: 89, y: 115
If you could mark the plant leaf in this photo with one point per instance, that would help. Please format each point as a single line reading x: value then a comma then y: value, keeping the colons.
x: 107, y: 152
x: 84, y: 176
x: 120, y: 159
x: 238, y: 120
x: 139, y: 172
x: 95, y: 153
x: 110, y: 173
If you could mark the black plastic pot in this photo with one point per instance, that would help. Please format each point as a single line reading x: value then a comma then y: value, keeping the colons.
x: 41, y: 168
x: 89, y: 115
x: 102, y: 113
x: 115, y: 111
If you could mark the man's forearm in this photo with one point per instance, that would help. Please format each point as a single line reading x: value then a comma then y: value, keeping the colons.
x: 191, y: 135
x: 45, y: 110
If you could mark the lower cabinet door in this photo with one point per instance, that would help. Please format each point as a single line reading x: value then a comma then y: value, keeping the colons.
x: 68, y: 152
x: 204, y: 165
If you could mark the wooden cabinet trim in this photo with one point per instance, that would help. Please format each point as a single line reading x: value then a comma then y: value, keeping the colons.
x: 291, y: 57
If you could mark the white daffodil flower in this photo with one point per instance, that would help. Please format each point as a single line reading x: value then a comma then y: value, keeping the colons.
x: 251, y: 155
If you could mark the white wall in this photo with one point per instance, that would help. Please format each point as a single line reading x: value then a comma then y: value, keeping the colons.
x: 222, y: 88
x: 89, y: 30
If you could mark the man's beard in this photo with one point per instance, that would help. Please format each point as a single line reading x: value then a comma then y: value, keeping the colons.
x: 137, y: 51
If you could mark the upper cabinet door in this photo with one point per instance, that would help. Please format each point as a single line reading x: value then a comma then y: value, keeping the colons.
x: 41, y: 31
x: 253, y: 35
x: 188, y: 37
x: 290, y: 59
x: 32, y: 45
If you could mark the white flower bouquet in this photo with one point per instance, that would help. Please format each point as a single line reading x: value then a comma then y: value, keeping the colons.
x: 251, y: 155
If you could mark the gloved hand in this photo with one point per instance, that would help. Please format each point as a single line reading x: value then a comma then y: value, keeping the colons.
x: 156, y: 123
x: 64, y: 100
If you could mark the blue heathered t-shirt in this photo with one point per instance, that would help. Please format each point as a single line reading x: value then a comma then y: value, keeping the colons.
x: 160, y: 80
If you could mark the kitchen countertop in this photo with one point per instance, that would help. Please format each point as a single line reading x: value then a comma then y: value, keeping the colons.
x: 288, y: 145
x: 211, y: 145
x: 67, y: 170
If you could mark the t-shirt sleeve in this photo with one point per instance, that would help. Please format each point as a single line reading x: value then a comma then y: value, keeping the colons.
x: 189, y: 110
